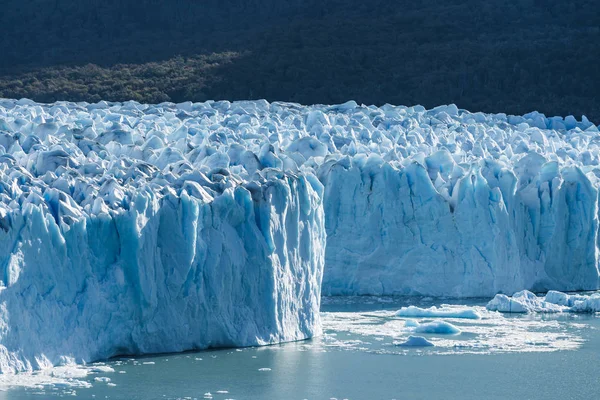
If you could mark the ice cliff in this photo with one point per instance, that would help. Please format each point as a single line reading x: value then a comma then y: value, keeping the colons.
x: 117, y: 238
x: 449, y: 203
x: 131, y: 228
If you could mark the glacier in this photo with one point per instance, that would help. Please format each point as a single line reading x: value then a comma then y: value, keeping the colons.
x: 130, y: 228
x: 112, y: 243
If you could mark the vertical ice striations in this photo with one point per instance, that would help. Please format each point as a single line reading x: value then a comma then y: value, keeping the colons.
x: 132, y: 228
x: 473, y: 241
x: 117, y: 250
x: 168, y: 274
x: 462, y: 208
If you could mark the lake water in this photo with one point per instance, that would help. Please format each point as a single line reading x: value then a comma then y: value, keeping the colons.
x: 359, y: 357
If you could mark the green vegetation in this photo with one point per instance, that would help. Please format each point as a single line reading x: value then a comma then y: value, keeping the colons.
x: 509, y: 56
x: 152, y: 82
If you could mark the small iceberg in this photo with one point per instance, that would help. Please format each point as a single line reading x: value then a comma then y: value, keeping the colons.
x: 416, y: 341
x: 410, y: 323
x: 439, y: 327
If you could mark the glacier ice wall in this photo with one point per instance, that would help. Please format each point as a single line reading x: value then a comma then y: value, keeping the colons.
x: 132, y: 228
x: 448, y: 203
x: 104, y: 251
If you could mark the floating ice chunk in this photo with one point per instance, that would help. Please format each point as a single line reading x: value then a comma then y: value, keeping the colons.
x: 416, y: 341
x: 264, y: 369
x: 591, y: 304
x: 439, y: 327
x: 101, y: 368
x: 435, y: 312
x: 102, y: 379
x: 562, y: 299
x: 410, y: 323
x: 503, y: 303
x: 553, y: 302
x: 522, y: 302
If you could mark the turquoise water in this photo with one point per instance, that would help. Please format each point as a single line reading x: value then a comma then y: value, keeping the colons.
x: 497, y: 357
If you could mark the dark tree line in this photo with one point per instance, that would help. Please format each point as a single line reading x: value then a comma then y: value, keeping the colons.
x: 509, y: 56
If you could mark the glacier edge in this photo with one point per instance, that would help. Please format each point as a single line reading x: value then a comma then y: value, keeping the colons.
x: 167, y: 275
x: 130, y: 228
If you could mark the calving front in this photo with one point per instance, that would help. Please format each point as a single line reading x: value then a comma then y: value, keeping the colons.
x: 133, y: 229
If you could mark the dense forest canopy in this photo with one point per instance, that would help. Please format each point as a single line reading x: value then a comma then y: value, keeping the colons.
x: 509, y: 56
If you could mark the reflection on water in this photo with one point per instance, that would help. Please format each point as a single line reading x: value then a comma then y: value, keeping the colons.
x: 497, y: 356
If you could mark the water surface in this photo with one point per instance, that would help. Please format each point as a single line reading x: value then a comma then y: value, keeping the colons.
x: 358, y: 357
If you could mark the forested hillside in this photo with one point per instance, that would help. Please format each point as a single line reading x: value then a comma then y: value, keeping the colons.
x: 509, y: 56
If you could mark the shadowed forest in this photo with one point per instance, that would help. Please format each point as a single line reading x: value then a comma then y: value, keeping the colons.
x: 510, y: 56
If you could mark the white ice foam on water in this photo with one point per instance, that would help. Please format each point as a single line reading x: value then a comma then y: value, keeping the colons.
x: 553, y: 302
x: 65, y: 378
x: 169, y: 227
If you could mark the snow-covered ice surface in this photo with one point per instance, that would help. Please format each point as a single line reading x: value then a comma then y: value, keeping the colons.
x: 131, y: 228
x: 553, y: 302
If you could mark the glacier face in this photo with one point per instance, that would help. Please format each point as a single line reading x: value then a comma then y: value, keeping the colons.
x: 125, y: 248
x: 148, y: 228
x: 449, y: 203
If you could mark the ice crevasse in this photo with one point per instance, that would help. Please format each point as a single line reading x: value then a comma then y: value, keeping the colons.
x: 128, y: 228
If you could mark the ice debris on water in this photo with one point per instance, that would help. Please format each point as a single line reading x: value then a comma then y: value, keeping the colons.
x: 553, y: 302
x: 411, y: 323
x: 438, y: 327
x: 442, y: 312
x: 416, y: 341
